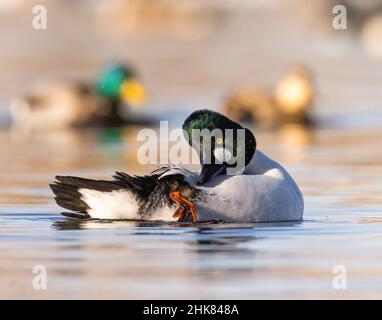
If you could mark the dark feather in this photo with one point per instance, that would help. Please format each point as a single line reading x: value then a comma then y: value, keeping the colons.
x: 140, y: 185
x: 99, y: 185
x: 159, y: 196
x: 150, y: 191
x: 68, y: 197
x: 76, y: 215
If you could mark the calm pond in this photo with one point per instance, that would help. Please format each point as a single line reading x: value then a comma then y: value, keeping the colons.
x: 339, y: 171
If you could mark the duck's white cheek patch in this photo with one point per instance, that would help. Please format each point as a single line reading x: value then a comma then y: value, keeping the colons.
x: 222, y: 154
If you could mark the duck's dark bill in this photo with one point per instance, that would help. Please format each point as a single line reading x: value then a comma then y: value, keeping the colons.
x: 209, y: 171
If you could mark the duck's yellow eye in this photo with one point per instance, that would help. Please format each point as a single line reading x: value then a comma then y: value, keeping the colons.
x: 219, y: 141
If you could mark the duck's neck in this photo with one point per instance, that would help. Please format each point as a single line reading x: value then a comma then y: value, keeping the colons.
x: 260, y: 164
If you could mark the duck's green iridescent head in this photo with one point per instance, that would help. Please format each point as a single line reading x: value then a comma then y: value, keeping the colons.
x: 119, y: 82
x: 224, y: 146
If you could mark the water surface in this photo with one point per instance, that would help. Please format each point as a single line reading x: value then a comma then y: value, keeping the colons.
x: 339, y: 172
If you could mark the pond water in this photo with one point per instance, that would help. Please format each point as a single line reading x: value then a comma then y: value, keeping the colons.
x: 187, y: 61
x: 339, y: 170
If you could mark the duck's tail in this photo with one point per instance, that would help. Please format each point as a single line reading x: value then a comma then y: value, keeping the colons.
x: 121, y: 198
x: 70, y: 193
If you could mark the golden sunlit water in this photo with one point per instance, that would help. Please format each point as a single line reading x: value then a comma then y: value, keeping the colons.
x: 339, y: 171
x: 191, y: 55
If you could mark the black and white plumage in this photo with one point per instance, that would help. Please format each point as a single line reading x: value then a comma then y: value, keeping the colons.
x: 262, y: 192
x: 125, y: 197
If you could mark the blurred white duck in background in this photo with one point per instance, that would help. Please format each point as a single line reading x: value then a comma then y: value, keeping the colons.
x: 265, y: 192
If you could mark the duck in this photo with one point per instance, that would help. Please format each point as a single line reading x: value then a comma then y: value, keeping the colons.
x: 60, y: 105
x: 237, y: 183
x: 289, y: 102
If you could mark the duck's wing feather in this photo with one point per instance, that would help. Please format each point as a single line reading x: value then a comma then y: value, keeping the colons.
x: 125, y: 197
x: 140, y: 185
x: 88, y: 198
x: 67, y: 193
x: 171, y: 170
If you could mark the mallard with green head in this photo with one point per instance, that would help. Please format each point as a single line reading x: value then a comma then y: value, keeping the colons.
x: 62, y: 105
x: 237, y: 183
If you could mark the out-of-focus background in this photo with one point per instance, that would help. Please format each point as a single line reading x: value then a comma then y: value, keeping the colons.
x: 194, y: 52
x: 189, y: 55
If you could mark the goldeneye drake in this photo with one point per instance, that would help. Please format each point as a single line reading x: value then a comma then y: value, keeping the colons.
x: 262, y: 191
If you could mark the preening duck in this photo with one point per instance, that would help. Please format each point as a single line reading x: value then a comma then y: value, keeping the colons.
x: 237, y: 183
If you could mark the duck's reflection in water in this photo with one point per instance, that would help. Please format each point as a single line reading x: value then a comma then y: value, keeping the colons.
x: 75, y: 224
x: 228, y: 249
x: 295, y: 136
x: 200, y: 228
x: 71, y: 150
x: 208, y: 248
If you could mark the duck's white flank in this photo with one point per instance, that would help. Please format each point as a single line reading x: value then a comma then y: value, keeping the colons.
x: 264, y: 193
x: 119, y: 204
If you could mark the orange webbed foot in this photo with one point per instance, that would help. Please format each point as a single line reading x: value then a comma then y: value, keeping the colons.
x: 177, y: 197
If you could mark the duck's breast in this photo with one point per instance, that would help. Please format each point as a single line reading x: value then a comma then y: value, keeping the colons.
x: 252, y: 198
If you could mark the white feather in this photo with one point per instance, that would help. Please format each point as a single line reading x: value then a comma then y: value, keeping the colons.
x: 163, y: 213
x: 120, y: 204
x: 117, y: 204
x: 264, y: 193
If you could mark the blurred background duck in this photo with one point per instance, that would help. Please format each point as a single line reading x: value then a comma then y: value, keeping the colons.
x: 290, y: 102
x: 58, y: 105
